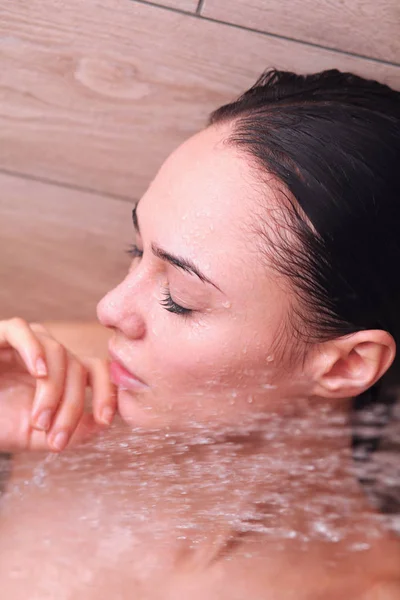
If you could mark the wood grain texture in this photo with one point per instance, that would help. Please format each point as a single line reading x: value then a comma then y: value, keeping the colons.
x: 187, y: 5
x: 61, y: 249
x: 97, y: 94
x: 365, y: 27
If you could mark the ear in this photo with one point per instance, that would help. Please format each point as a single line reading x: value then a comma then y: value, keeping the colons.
x: 349, y: 365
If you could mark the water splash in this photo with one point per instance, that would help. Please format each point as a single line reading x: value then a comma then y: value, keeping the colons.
x: 260, y: 479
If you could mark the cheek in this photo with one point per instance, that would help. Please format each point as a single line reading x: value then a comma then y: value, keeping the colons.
x: 193, y: 355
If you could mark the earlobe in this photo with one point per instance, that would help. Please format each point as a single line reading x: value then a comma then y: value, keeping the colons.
x: 348, y: 366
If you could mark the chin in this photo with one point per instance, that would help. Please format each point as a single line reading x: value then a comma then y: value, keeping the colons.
x: 135, y: 411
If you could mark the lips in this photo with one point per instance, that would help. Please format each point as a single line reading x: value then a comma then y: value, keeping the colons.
x: 121, y: 376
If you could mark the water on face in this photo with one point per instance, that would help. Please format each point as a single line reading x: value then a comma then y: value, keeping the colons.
x: 147, y: 498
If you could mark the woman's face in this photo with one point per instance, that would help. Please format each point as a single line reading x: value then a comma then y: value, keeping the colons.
x: 199, y: 316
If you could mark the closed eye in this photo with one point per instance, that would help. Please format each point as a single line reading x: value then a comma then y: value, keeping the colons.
x: 172, y: 306
x: 167, y: 302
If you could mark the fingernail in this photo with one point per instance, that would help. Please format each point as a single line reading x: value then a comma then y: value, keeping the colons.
x: 60, y: 441
x: 41, y: 368
x: 43, y: 420
x: 107, y: 415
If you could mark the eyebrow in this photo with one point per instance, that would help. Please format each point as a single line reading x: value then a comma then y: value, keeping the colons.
x: 177, y: 261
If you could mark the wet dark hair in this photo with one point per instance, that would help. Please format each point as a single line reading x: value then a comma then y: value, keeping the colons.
x: 333, y: 140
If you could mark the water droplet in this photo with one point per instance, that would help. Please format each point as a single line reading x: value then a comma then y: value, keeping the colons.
x: 360, y: 546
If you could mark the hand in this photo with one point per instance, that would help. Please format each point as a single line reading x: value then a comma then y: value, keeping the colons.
x: 42, y: 390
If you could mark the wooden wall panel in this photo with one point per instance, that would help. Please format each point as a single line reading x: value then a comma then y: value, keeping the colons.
x: 96, y: 94
x: 187, y: 5
x: 365, y: 27
x: 60, y: 249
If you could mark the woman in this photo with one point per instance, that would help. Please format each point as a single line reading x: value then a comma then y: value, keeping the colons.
x: 261, y: 301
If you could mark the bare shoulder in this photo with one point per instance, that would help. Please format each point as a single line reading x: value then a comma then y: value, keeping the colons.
x: 251, y: 582
x: 83, y: 338
x: 385, y: 558
x: 265, y: 572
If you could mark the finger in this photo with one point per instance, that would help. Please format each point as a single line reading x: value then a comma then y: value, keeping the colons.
x: 17, y: 334
x: 49, y: 391
x: 39, y: 328
x: 104, y: 393
x: 70, y: 409
x: 86, y: 429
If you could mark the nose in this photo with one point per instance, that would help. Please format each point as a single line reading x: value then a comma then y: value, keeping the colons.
x: 119, y: 309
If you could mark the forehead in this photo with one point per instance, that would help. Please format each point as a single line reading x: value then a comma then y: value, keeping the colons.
x: 205, y: 204
x: 206, y: 189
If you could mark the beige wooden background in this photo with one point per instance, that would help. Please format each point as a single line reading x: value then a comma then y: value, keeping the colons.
x: 94, y: 94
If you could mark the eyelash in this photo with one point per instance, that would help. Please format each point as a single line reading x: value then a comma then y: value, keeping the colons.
x: 167, y: 302
x: 134, y: 251
x: 172, y: 306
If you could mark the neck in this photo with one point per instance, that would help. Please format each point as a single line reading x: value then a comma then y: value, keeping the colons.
x: 281, y: 475
x: 286, y: 477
